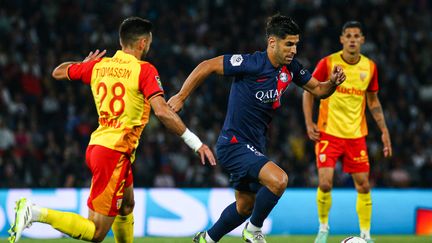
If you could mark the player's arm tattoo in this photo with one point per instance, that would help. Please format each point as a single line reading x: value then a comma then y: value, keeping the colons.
x: 377, y: 113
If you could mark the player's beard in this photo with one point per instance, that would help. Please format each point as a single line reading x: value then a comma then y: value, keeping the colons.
x: 282, y: 59
x: 279, y: 56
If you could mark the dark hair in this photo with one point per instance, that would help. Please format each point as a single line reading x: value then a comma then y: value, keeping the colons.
x: 280, y: 26
x: 132, y: 28
x: 352, y: 24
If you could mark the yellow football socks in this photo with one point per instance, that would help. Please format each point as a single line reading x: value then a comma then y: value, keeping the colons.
x: 324, y: 202
x: 364, y: 210
x: 123, y: 228
x: 71, y: 224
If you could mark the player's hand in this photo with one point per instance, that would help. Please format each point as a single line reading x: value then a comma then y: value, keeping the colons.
x: 176, y: 103
x: 206, y: 154
x: 387, y: 150
x: 337, y: 76
x: 313, y: 132
x: 94, y: 55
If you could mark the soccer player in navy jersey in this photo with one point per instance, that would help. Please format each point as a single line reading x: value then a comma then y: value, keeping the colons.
x: 260, y: 80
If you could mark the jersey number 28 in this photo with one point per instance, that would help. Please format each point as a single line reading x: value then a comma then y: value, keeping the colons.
x: 118, y: 91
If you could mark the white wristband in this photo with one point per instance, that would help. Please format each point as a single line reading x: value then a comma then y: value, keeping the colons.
x: 191, y: 140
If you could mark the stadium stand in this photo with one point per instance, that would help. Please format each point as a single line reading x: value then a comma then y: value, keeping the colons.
x: 45, y: 125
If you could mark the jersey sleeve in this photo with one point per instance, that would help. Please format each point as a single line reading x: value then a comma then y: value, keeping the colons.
x: 81, y: 71
x: 373, y: 84
x: 238, y: 64
x: 149, y: 81
x: 321, y: 72
x: 300, y: 75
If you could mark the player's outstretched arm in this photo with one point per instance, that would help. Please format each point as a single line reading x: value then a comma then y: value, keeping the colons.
x: 322, y: 90
x: 60, y: 72
x: 195, y: 79
x: 311, y: 127
x: 173, y: 122
x: 375, y: 108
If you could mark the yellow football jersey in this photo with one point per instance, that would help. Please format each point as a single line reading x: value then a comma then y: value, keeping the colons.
x: 121, y: 86
x: 343, y: 113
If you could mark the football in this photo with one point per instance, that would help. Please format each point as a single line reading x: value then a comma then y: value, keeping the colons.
x: 353, y: 239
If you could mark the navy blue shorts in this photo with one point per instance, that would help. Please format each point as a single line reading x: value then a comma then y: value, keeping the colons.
x: 243, y: 162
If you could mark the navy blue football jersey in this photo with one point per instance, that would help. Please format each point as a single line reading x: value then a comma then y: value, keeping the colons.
x: 255, y: 94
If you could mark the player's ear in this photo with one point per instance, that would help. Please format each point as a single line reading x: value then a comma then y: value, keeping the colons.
x: 271, y: 41
x: 142, y: 43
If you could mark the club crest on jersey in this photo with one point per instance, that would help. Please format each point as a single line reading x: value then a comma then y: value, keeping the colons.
x: 159, y: 82
x: 236, y: 60
x: 322, y: 158
x: 363, y: 76
x: 283, y: 77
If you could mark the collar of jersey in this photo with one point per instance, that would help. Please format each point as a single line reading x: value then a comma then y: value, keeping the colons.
x: 125, y: 55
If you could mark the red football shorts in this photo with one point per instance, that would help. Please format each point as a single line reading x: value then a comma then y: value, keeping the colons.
x: 353, y: 153
x: 112, y: 173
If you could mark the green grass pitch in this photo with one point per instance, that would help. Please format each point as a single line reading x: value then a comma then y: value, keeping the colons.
x: 270, y: 239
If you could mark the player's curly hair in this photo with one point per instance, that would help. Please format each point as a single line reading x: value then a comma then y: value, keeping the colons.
x: 132, y: 28
x: 280, y: 26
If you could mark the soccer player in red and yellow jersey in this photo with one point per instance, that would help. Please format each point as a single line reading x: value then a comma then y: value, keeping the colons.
x: 124, y: 89
x: 341, y: 129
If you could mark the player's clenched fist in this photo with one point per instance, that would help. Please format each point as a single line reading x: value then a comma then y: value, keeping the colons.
x: 337, y: 76
x: 176, y: 103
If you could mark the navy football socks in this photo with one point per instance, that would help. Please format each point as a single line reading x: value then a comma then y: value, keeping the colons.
x: 264, y: 204
x: 229, y: 220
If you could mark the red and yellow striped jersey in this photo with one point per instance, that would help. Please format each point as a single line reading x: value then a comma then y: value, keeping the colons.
x: 122, y: 86
x: 343, y: 113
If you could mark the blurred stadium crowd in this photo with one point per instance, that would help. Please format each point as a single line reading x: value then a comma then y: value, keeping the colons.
x: 45, y: 125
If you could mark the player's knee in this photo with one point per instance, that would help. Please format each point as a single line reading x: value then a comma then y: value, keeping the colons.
x: 325, y: 186
x: 280, y: 184
x: 283, y: 182
x: 363, y: 187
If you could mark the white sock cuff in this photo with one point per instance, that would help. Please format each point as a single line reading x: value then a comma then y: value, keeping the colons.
x: 365, y: 234
x: 36, y: 213
x: 208, y: 238
x: 252, y: 227
x: 324, y: 227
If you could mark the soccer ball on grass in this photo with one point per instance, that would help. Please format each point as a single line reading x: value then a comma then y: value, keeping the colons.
x: 353, y: 239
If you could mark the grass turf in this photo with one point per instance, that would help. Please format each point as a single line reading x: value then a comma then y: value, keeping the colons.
x: 270, y: 239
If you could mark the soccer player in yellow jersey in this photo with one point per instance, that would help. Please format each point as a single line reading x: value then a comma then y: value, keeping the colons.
x: 341, y: 129
x: 124, y: 89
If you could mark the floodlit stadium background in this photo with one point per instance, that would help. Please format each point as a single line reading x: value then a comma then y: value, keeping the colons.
x: 45, y: 125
